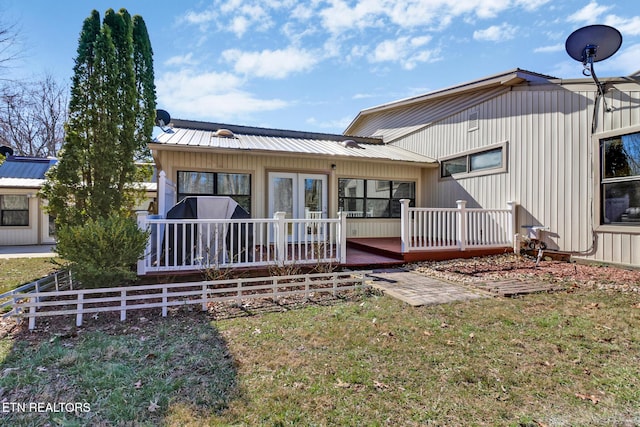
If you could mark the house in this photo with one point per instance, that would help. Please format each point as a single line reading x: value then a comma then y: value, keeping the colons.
x: 23, y: 220
x: 299, y: 173
x: 568, y: 157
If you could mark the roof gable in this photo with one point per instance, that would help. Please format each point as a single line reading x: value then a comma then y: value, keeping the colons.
x: 399, y: 118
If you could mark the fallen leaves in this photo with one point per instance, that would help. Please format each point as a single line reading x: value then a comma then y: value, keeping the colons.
x: 153, y: 406
x: 592, y: 397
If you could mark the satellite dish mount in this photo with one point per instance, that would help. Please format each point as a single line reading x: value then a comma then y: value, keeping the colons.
x: 591, y: 44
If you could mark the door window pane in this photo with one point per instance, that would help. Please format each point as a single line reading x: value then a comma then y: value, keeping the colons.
x: 283, y: 196
x: 313, y: 194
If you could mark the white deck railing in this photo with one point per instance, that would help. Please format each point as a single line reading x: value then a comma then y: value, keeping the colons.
x: 456, y: 228
x: 200, y: 244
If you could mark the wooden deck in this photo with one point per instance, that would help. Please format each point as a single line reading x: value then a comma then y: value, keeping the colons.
x: 390, y: 249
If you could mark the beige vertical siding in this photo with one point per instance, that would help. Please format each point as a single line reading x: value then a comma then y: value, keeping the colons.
x: 260, y: 165
x: 553, y: 161
x: 28, y: 235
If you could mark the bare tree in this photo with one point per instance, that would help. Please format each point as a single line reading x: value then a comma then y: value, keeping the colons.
x: 32, y: 116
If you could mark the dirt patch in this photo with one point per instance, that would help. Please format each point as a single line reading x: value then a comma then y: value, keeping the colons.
x: 512, y: 266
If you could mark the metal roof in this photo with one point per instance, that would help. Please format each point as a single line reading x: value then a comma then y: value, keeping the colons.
x: 187, y: 135
x: 25, y: 167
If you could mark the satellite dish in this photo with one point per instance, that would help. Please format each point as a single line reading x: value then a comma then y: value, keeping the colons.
x: 593, y: 43
x: 6, y: 151
x: 590, y: 44
x: 162, y: 118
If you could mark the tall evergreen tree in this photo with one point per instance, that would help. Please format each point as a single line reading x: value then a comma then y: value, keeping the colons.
x: 94, y: 175
x: 145, y: 85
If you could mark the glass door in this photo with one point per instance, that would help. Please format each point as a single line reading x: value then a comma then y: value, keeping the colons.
x: 298, y: 196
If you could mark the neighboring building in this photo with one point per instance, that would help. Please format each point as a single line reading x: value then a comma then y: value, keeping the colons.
x: 300, y: 173
x: 548, y: 144
x: 23, y: 220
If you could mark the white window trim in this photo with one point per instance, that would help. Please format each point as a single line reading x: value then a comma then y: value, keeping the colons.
x: 597, y: 183
x: 505, y: 156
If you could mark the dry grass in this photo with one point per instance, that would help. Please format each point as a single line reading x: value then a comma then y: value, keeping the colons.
x: 18, y: 271
x: 558, y: 359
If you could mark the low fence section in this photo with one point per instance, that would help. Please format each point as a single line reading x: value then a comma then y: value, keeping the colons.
x: 81, y: 302
x: 58, y: 281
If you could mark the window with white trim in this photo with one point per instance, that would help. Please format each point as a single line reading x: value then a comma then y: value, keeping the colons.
x: 14, y: 210
x: 620, y: 179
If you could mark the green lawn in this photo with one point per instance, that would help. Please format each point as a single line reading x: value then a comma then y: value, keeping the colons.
x: 563, y: 359
x: 18, y: 271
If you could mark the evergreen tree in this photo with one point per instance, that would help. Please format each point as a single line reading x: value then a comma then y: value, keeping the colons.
x: 107, y: 127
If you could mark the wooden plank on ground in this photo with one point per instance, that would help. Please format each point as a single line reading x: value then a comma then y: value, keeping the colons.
x: 515, y: 287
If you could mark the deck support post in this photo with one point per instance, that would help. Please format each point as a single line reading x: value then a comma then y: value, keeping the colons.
x: 462, y: 224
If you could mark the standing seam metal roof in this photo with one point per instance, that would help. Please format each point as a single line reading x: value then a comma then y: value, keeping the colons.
x: 291, y: 144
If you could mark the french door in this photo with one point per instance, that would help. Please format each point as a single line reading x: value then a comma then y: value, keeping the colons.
x: 298, y: 195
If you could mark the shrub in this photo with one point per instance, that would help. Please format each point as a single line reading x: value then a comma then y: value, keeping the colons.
x: 102, y: 252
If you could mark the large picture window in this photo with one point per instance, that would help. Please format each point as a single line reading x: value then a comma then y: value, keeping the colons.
x: 14, y: 210
x: 372, y: 198
x: 620, y: 184
x: 479, y: 162
x: 235, y: 185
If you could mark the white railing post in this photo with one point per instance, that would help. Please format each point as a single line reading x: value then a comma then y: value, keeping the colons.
x: 342, y: 237
x: 162, y: 193
x: 281, y: 237
x: 405, y: 242
x: 462, y: 224
x: 142, y: 224
x: 511, y: 232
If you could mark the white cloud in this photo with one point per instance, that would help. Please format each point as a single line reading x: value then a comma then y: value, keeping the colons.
x: 180, y: 60
x: 627, y: 26
x: 404, y: 50
x: 622, y: 63
x: 330, y: 124
x: 496, y: 33
x: 275, y: 64
x: 209, y: 96
x: 588, y: 14
x: 548, y: 49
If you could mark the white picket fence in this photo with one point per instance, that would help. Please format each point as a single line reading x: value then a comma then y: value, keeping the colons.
x: 459, y: 228
x: 81, y: 302
x: 199, y: 244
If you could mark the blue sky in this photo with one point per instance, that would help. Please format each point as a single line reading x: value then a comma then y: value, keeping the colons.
x: 313, y: 65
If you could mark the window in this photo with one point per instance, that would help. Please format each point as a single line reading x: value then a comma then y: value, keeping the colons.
x: 372, y: 198
x: 235, y: 185
x: 14, y: 210
x: 477, y: 163
x: 620, y: 183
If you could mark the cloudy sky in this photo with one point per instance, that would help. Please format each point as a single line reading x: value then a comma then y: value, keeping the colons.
x: 313, y: 65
